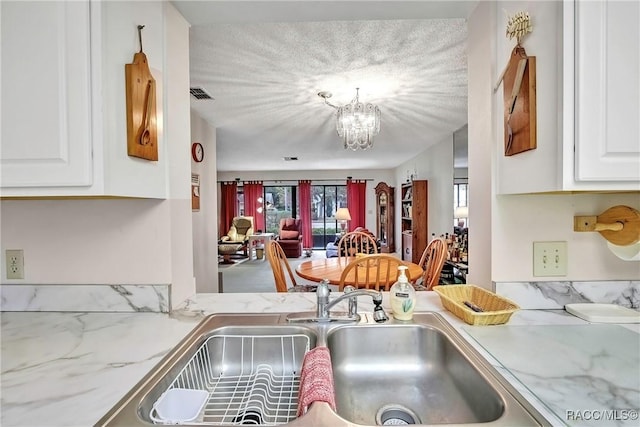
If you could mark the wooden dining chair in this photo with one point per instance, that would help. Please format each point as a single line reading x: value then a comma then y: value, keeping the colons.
x: 356, y: 242
x: 432, y: 261
x: 378, y: 271
x: 281, y: 270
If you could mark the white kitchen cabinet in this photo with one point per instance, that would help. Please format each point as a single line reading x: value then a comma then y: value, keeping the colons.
x: 606, y: 114
x: 64, y: 129
x: 46, y: 94
x: 587, y: 88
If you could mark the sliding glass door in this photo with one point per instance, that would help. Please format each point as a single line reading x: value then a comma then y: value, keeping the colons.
x: 279, y: 202
x: 282, y: 202
x: 325, y: 200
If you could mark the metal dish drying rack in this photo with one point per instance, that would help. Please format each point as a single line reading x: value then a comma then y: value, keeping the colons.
x: 251, y: 379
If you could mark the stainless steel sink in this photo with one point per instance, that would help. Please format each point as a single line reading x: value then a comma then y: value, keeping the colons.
x: 421, y: 372
x: 410, y: 373
x: 249, y: 364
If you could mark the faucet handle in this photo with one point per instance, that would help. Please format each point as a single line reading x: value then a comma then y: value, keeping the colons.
x: 353, y: 301
x: 322, y: 289
x: 322, y: 299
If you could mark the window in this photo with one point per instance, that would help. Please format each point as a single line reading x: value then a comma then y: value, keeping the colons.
x: 325, y: 201
x: 240, y: 201
x: 460, y: 204
x: 279, y: 202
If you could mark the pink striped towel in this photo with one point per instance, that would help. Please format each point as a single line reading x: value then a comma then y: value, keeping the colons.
x: 316, y: 380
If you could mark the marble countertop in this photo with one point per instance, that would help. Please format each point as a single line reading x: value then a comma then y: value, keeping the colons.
x: 69, y: 369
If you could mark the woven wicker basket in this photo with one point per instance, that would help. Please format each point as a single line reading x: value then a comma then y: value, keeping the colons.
x: 496, y: 310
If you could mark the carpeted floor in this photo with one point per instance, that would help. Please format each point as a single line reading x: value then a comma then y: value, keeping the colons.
x: 256, y: 275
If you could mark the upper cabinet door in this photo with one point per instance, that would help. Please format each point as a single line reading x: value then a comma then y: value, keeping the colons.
x: 46, y: 94
x: 607, y: 84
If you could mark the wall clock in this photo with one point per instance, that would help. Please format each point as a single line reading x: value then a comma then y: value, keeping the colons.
x: 197, y: 152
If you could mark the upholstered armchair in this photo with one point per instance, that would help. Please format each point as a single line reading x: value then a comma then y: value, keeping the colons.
x: 241, y: 229
x: 290, y: 237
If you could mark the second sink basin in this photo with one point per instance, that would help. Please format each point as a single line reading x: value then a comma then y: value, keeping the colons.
x: 407, y: 373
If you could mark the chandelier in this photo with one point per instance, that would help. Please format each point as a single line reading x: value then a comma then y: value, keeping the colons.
x: 356, y: 123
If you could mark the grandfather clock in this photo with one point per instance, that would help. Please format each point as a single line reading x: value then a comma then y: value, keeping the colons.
x: 384, y: 217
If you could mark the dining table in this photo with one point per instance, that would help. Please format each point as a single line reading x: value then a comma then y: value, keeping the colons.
x: 331, y: 269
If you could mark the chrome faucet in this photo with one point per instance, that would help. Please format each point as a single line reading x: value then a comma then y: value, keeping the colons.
x: 324, y: 305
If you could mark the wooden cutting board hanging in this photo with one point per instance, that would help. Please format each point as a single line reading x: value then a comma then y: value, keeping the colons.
x: 520, y: 103
x: 142, y: 132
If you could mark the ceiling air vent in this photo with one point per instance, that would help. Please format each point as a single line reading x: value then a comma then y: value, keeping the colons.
x: 199, y: 93
x: 290, y: 159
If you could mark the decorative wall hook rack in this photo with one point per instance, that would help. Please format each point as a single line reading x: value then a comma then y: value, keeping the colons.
x: 519, y: 79
x: 518, y: 26
x: 619, y: 225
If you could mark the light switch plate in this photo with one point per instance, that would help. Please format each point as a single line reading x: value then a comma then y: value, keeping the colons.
x: 549, y: 258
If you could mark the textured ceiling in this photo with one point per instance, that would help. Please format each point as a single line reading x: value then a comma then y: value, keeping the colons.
x: 265, y: 77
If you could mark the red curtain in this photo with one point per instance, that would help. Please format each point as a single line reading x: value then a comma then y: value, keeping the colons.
x: 228, y: 204
x: 252, y: 207
x: 356, y: 202
x: 304, y: 193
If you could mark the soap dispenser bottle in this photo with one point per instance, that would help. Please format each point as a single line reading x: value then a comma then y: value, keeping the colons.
x: 403, y: 297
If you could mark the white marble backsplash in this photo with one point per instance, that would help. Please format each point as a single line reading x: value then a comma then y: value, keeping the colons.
x: 85, y: 298
x: 155, y: 298
x: 554, y: 295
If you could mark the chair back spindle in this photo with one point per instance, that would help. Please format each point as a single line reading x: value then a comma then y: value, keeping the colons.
x: 432, y: 261
x: 356, y: 242
x: 377, y: 271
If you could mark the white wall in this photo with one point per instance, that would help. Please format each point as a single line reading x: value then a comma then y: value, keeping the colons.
x: 536, y: 170
x: 521, y: 220
x: 481, y: 149
x: 205, y: 221
x: 177, y: 123
x: 88, y: 241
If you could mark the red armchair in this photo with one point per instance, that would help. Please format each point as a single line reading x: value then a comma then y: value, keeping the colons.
x: 290, y: 237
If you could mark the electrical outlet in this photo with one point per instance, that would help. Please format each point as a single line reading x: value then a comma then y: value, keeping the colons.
x: 549, y: 258
x: 15, y: 263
